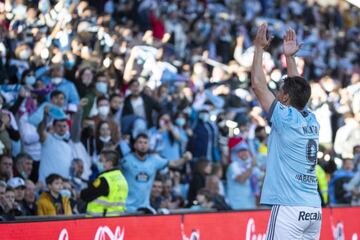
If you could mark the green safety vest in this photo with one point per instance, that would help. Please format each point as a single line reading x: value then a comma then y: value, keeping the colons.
x: 114, y: 203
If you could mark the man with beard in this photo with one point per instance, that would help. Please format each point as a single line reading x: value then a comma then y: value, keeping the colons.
x: 140, y: 168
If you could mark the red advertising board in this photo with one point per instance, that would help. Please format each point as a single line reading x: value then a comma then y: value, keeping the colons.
x: 337, y: 224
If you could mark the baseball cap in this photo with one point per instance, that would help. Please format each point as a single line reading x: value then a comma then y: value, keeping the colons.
x: 16, y: 182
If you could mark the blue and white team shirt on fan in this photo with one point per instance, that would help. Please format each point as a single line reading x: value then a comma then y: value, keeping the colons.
x: 140, y: 176
x: 292, y: 156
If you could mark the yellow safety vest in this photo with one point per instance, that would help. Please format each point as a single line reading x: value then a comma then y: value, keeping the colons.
x: 323, y: 183
x: 114, y: 203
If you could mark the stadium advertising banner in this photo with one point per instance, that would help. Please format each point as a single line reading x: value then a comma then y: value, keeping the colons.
x: 338, y: 224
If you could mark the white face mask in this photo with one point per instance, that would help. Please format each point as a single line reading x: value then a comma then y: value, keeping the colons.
x: 30, y: 80
x: 104, y: 110
x: 101, y: 87
x: 105, y: 139
x: 65, y: 193
x: 64, y: 137
x: 56, y: 80
x: 24, y: 54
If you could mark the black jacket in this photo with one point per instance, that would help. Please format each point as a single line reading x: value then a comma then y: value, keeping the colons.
x: 150, y: 104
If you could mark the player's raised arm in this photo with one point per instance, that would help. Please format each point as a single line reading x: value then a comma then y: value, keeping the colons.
x: 258, y: 80
x: 290, y: 48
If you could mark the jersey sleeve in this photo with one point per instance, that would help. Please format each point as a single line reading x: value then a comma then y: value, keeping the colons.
x: 279, y: 115
x: 161, y: 163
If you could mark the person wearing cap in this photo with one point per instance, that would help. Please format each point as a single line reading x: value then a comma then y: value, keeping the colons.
x: 18, y: 185
x: 239, y: 178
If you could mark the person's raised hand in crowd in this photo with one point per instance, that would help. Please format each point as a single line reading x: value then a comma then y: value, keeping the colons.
x: 262, y: 40
x: 46, y: 111
x: 5, y: 118
x: 23, y: 93
x: 187, y: 156
x: 291, y: 46
x: 83, y: 102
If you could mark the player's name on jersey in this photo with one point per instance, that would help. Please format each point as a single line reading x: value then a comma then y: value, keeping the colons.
x: 310, y: 130
x: 306, y: 178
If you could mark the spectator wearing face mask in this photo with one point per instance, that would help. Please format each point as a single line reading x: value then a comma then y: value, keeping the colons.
x: 61, y: 146
x: 104, y: 139
x: 204, y: 141
x: 95, y: 91
x: 56, y: 155
x: 67, y: 87
x: 103, y: 114
x: 239, y: 176
x: 165, y: 138
x: 76, y: 172
x: 107, y: 195
x: 51, y: 202
x: 140, y: 104
x: 184, y: 131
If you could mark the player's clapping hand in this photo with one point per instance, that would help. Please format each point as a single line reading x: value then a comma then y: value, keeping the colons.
x: 290, y: 44
x: 261, y: 39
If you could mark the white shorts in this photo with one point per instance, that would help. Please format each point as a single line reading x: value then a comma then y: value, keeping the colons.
x: 295, y: 223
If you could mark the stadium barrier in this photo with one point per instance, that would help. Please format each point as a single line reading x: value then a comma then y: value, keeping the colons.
x: 337, y: 223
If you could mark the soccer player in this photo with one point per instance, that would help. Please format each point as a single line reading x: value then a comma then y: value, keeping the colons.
x: 290, y: 185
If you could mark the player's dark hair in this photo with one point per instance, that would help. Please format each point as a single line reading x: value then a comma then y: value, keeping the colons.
x: 299, y: 91
x: 141, y: 135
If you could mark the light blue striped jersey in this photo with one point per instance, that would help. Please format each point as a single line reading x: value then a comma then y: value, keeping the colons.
x: 292, y: 156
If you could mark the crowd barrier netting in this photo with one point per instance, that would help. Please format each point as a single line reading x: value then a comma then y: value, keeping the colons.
x: 337, y: 223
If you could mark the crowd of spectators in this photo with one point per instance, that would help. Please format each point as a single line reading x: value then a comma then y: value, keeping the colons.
x: 167, y: 82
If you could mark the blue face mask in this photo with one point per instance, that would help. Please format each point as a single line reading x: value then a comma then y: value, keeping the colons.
x: 101, y: 87
x: 180, y: 122
x: 30, y: 80
x: 65, y: 193
x: 100, y: 166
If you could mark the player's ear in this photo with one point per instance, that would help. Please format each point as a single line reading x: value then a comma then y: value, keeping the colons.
x: 286, y: 99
